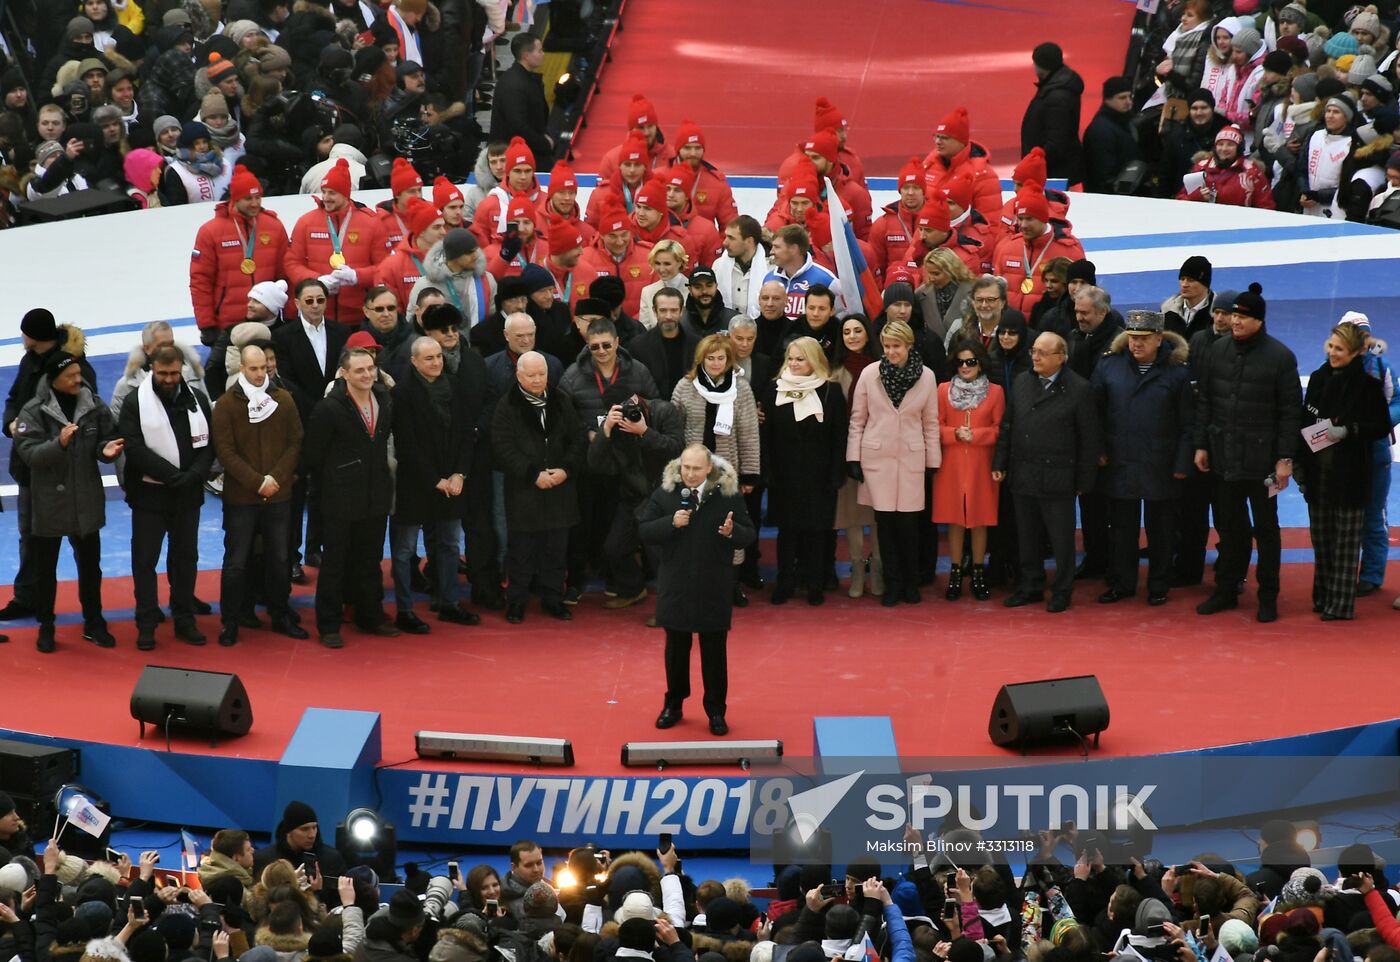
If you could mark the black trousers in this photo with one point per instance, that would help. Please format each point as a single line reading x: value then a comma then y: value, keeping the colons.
x: 1193, y: 526
x: 597, y: 499
x: 1094, y: 514
x: 306, y: 501
x: 87, y: 551
x: 714, y: 668
x: 538, y: 556
x: 350, y: 572
x: 899, y: 547
x: 1126, y: 517
x: 1244, y: 512
x: 620, y: 547
x: 1038, y: 519
x: 150, y: 527
x: 25, y: 577
x: 802, y: 559
x: 1004, y: 541
x: 479, y: 526
x: 242, y: 525
x: 753, y: 501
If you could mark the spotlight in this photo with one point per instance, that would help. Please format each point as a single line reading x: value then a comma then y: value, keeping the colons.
x: 366, y: 839
x: 566, y: 90
x: 1308, y: 835
x: 495, y: 748
x: 740, y: 753
x: 71, y: 837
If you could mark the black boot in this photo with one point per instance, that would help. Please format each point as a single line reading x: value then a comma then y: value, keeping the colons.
x: 954, y: 591
x: 980, y: 591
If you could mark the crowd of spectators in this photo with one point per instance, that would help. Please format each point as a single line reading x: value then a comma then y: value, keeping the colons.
x: 295, y: 900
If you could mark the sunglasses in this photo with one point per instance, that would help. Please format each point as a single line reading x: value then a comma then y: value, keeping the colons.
x: 600, y: 348
x: 967, y: 362
x: 383, y: 308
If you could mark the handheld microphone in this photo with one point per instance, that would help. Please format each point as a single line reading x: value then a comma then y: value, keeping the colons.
x: 685, y: 499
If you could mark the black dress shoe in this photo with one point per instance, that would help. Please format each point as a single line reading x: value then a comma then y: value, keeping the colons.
x: 670, y: 714
x: 1217, y: 603
x: 99, y: 636
x: 146, y: 638
x: 298, y: 575
x: 1057, y: 603
x: 289, y: 628
x: 202, y: 607
x: 1020, y: 599
x: 815, y: 598
x: 1328, y: 616
x: 332, y: 639
x: 1364, y: 588
x: 890, y: 598
x: 912, y: 596
x: 557, y: 611
x: 515, y: 614
x: 1113, y: 595
x: 1268, y: 611
x: 488, y: 599
x: 718, y: 726
x: 754, y: 581
x: 228, y: 635
x: 249, y: 620
x: 782, y: 593
x: 572, y: 595
x: 188, y: 632
x: 411, y: 623
x: 45, y: 642
x: 385, y: 629
x: 456, y: 615
x: 14, y: 610
x: 741, y: 600
x: 1157, y: 599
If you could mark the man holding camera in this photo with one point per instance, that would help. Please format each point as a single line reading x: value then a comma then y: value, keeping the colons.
x: 630, y: 449
x: 696, y: 520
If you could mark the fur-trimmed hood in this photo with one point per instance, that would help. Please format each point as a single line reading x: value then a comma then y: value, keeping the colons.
x: 136, y: 360
x: 281, y: 943
x: 1177, y: 348
x: 632, y: 863
x: 733, y: 950
x: 458, y: 945
x: 726, y: 479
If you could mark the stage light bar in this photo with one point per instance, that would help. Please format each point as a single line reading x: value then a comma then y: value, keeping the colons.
x: 741, y: 753
x: 495, y: 748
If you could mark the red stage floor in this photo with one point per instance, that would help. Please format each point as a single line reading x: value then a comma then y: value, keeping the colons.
x: 748, y: 73
x: 1174, y: 680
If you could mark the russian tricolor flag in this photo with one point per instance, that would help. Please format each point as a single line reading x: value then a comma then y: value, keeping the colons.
x: 858, y: 285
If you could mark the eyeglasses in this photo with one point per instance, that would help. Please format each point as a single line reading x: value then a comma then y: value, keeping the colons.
x: 382, y: 308
x: 1039, y: 353
x: 313, y: 300
x: 968, y: 362
x: 986, y: 300
x: 601, y: 348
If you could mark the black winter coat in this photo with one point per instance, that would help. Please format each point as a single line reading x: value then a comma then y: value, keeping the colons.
x: 694, y: 584
x: 427, y: 450
x: 1050, y: 441
x: 179, y: 487
x: 1051, y: 122
x: 636, y: 461
x: 523, y: 447
x: 1109, y: 146
x: 1340, y: 474
x: 518, y: 109
x: 353, y: 467
x: 718, y: 323
x: 650, y: 349
x: 1086, y: 350
x: 28, y: 376
x: 806, y: 461
x: 1249, y: 405
x: 1147, y: 421
x: 580, y: 382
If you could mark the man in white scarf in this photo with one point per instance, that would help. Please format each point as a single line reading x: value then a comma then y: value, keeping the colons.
x: 257, y: 433
x: 168, y: 456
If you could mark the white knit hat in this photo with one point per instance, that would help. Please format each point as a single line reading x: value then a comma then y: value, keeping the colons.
x: 271, y: 295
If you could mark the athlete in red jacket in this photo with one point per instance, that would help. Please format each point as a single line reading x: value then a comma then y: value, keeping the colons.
x: 404, y: 185
x: 894, y: 230
x: 338, y: 242
x: 509, y: 255
x: 821, y: 149
x: 705, y: 240
x: 489, y: 222
x: 622, y: 185
x: 641, y: 120
x: 561, y: 200
x: 240, y: 246
x: 955, y: 154
x: 404, y: 265
x: 566, y: 243
x: 449, y: 200
x: 934, y: 229
x: 801, y: 191
x: 1019, y: 258
x: 615, y: 253
x: 829, y: 118
x: 652, y: 222
x: 710, y: 195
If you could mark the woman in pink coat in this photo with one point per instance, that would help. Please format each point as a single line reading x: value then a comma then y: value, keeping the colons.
x: 964, y: 495
x: 893, y: 439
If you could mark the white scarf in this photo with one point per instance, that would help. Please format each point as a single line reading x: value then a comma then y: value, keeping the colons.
x: 724, y: 417
x: 504, y: 196
x: 156, y: 430
x: 260, y: 405
x: 801, y: 392
x: 842, y: 949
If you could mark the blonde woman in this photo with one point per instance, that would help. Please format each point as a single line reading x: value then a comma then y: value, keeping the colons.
x: 720, y: 413
x: 804, y: 432
x: 945, y: 291
x: 668, y: 260
x: 893, y: 439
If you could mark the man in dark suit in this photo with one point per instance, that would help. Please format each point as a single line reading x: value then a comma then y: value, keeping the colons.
x: 518, y: 107
x: 1049, y: 446
x: 758, y: 369
x: 308, y: 353
x: 666, y: 350
x: 696, y: 520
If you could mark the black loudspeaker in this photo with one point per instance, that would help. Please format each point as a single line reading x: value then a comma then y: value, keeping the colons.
x: 1040, y: 711
x: 214, y: 702
x: 35, y: 771
x: 79, y: 203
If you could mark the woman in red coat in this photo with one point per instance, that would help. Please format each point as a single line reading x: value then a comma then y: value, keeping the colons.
x: 964, y: 495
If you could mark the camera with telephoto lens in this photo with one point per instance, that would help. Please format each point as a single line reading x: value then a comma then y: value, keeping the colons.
x: 632, y: 410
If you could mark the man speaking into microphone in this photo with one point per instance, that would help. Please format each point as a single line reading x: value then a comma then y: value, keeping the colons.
x: 696, y: 521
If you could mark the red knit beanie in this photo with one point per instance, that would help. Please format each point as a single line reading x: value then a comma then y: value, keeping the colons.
x: 421, y: 215
x: 338, y: 178
x: 912, y: 172
x: 562, y: 177
x: 445, y: 192
x: 955, y: 125
x: 518, y: 153
x: 689, y: 133
x: 403, y: 177
x: 1031, y: 167
x: 640, y: 112
x: 563, y: 235
x: 681, y: 177
x: 243, y: 184
x: 827, y: 116
x: 935, y: 213
x: 1030, y: 202
x: 823, y: 142
x: 633, y: 148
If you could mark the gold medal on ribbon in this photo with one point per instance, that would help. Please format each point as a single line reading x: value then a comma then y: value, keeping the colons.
x: 337, y: 259
x: 248, y: 265
x: 1027, y: 286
